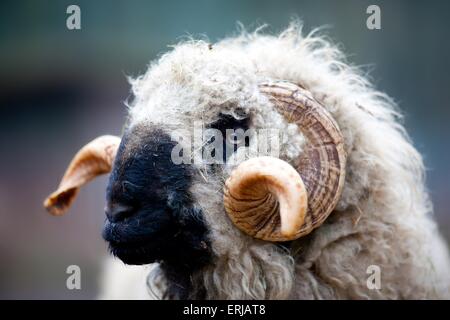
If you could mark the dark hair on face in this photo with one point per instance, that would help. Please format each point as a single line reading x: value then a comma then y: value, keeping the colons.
x: 156, y: 220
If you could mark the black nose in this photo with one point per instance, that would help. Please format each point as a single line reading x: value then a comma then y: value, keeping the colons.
x: 118, y: 212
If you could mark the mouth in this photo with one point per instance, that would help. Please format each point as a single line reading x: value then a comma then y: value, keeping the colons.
x: 172, y: 238
x: 128, y: 244
x: 135, y: 253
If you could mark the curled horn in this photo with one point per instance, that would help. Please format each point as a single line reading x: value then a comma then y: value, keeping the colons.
x: 93, y: 159
x: 268, y: 198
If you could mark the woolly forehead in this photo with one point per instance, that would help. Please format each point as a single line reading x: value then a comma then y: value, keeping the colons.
x: 198, y: 82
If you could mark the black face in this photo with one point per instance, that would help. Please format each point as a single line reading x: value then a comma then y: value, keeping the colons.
x: 150, y: 214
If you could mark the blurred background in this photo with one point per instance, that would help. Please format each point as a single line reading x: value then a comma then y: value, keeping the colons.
x: 61, y: 88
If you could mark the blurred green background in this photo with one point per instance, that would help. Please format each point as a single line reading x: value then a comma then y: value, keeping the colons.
x: 61, y: 88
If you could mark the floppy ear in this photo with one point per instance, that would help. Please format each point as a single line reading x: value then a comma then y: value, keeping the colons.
x: 92, y: 160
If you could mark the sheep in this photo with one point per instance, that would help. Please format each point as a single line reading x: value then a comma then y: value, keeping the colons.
x: 252, y: 227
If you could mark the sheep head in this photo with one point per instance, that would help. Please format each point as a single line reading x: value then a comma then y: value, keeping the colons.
x: 265, y: 197
x: 174, y: 213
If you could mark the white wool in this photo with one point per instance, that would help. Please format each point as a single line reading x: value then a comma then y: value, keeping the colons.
x: 383, y: 217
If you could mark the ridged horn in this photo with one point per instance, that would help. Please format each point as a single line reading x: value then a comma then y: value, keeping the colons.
x: 94, y: 159
x: 262, y: 196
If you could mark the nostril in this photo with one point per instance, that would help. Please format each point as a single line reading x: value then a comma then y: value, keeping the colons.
x: 118, y: 212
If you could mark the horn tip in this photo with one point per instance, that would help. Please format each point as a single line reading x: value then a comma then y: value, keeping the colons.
x: 59, y: 202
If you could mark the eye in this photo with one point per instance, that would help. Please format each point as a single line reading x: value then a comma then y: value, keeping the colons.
x: 232, y: 130
x: 234, y: 138
x: 228, y: 122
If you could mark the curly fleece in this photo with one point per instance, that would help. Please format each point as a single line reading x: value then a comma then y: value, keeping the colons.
x: 383, y: 217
